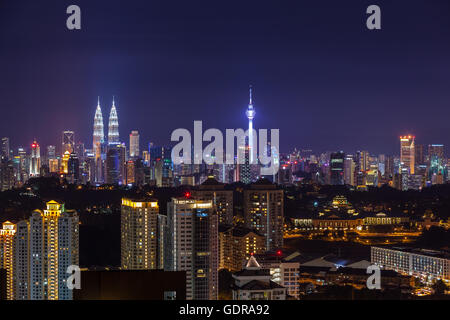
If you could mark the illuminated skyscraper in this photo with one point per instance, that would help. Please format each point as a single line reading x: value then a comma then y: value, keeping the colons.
x: 65, y: 163
x: 337, y: 168
x: 113, y: 126
x: 250, y: 115
x: 115, y: 165
x: 51, y: 152
x: 73, y: 168
x: 192, y: 246
x: 134, y: 144
x: 99, y: 135
x: 35, y: 162
x: 140, y: 248
x: 435, y: 151
x: 349, y: 170
x: 407, y: 153
x: 53, y: 246
x: 419, y: 155
x: 5, y: 149
x: 436, y: 163
x: 98, y: 141
x: 362, y: 161
x: 24, y: 165
x: 21, y: 261
x: 7, y: 177
x: 68, y: 142
x: 6, y: 255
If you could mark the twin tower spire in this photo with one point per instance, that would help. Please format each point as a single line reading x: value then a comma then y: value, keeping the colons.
x: 113, y: 126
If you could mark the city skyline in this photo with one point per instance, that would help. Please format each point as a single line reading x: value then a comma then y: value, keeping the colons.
x: 340, y: 88
x: 113, y: 135
x: 219, y: 156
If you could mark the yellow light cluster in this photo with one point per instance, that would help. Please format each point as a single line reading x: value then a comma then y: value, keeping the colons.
x: 139, y: 204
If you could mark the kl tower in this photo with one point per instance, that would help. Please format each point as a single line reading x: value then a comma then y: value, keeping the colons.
x: 250, y: 115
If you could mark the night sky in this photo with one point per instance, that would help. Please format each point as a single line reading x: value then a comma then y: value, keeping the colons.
x: 319, y: 75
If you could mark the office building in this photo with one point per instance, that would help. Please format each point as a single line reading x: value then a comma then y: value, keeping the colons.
x: 337, y: 168
x: 349, y: 171
x: 115, y: 164
x: 35, y: 161
x: 5, y: 149
x: 419, y: 155
x: 362, y: 162
x: 407, y: 153
x: 134, y: 144
x: 435, y: 151
x: 97, y: 144
x: 113, y: 126
x: 73, y: 169
x: 68, y: 142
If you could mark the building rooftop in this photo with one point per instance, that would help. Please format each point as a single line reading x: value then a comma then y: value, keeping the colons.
x: 259, y: 285
x: 237, y: 231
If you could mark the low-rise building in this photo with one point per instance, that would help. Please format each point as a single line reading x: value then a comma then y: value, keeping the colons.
x: 236, y: 245
x: 254, y: 283
x: 430, y: 264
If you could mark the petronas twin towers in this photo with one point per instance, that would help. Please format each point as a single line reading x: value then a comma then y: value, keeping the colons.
x: 113, y: 127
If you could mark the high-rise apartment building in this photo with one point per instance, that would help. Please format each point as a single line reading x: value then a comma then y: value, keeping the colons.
x: 22, y: 261
x: 40, y: 252
x: 6, y: 255
x: 407, y: 153
x: 192, y: 229
x: 264, y: 212
x: 141, y: 231
x: 53, y: 246
x: 221, y: 198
